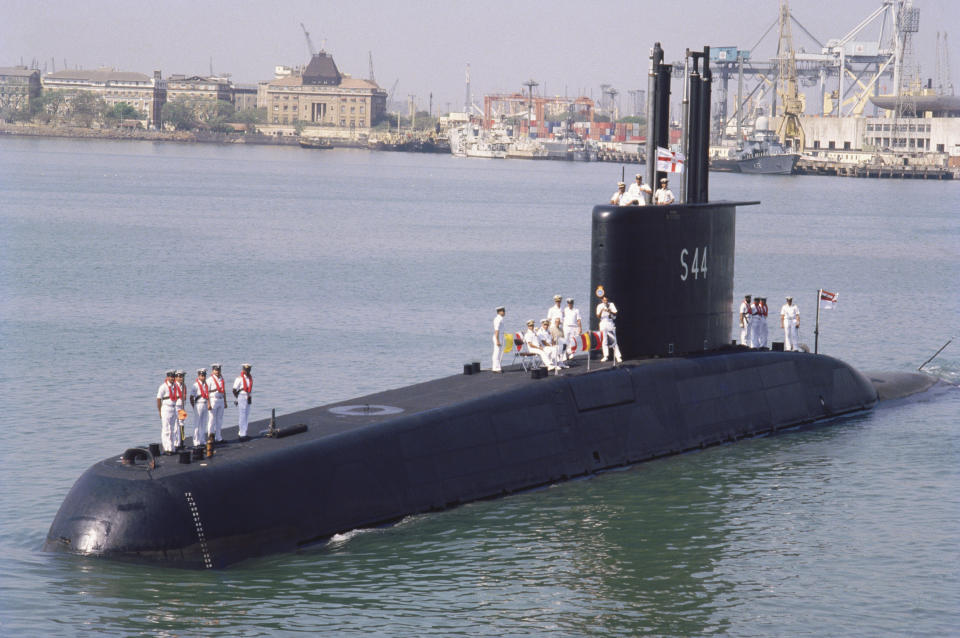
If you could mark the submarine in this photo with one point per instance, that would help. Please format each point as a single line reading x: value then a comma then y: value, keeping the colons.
x: 373, y: 460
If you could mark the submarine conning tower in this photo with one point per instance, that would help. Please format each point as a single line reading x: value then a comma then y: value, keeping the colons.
x: 669, y: 268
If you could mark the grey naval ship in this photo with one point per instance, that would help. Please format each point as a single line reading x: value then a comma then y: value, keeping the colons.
x: 373, y: 460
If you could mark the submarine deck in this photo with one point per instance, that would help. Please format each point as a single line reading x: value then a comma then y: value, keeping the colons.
x: 356, y: 413
x: 351, y: 415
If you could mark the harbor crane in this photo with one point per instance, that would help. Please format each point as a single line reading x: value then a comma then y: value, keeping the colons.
x: 789, y: 130
x: 310, y: 46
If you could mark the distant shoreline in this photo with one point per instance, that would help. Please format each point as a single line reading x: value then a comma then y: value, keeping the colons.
x: 76, y: 132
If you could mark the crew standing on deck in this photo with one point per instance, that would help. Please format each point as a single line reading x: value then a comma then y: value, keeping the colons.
x: 607, y: 313
x: 572, y: 326
x: 638, y: 192
x: 790, y: 322
x: 620, y: 197
x: 745, y: 321
x: 200, y: 400
x: 167, y: 396
x: 243, y: 397
x: 498, y: 339
x: 182, y: 415
x: 756, y: 312
x: 664, y: 195
x: 555, y: 311
x: 763, y: 331
x: 218, y: 402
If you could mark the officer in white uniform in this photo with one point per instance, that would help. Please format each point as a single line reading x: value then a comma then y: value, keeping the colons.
x: 745, y: 321
x: 790, y: 322
x: 498, y: 339
x: 664, y: 195
x: 200, y: 400
x: 243, y: 397
x: 572, y: 326
x: 167, y: 407
x: 638, y: 192
x: 548, y: 343
x: 218, y: 402
x: 532, y: 343
x: 607, y: 313
x: 620, y: 197
x: 555, y: 311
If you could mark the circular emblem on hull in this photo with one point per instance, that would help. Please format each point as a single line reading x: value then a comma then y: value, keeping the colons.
x: 365, y: 410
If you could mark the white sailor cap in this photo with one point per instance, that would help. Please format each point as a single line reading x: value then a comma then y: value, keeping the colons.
x: 569, y: 299
x: 181, y: 373
x: 639, y: 176
x: 544, y: 321
x: 214, y: 366
x: 499, y: 308
x: 621, y: 185
x: 171, y: 373
x: 789, y: 298
x: 201, y: 372
x: 663, y: 179
x: 245, y: 366
x: 530, y: 322
x: 557, y: 297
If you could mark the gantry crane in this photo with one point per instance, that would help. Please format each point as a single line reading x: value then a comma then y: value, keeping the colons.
x: 790, y: 130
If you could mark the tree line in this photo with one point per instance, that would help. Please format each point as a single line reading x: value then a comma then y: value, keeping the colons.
x: 88, y: 110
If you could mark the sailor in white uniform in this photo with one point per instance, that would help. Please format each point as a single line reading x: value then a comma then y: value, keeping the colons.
x: 620, y: 197
x: 745, y: 321
x: 200, y: 400
x: 607, y: 313
x: 664, y: 195
x: 763, y: 329
x: 243, y: 397
x: 182, y: 415
x: 167, y: 395
x: 790, y: 322
x: 572, y: 326
x: 498, y: 339
x: 533, y: 345
x: 638, y: 192
x: 755, y: 321
x: 218, y: 402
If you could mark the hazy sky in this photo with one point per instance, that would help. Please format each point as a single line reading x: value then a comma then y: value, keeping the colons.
x: 568, y: 47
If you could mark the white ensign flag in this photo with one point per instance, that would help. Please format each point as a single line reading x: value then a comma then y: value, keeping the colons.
x: 668, y: 161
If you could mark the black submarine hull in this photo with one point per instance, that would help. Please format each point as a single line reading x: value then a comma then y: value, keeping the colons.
x: 492, y: 435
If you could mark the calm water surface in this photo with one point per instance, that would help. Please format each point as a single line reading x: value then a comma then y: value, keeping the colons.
x: 343, y: 272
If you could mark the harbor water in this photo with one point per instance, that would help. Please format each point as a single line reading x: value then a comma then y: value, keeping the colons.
x: 339, y: 273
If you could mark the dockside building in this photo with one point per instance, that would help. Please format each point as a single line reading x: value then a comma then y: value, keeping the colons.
x: 320, y: 95
x: 144, y: 93
x: 18, y: 85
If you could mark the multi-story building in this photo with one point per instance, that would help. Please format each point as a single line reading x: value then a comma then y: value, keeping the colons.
x: 199, y: 89
x: 320, y: 95
x: 245, y: 97
x: 18, y: 85
x: 144, y: 93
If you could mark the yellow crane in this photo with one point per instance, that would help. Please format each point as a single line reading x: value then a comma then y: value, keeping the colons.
x: 790, y: 130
